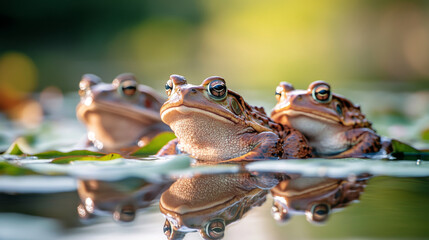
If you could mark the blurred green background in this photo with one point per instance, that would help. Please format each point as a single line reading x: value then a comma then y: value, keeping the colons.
x: 251, y: 43
x: 363, y: 45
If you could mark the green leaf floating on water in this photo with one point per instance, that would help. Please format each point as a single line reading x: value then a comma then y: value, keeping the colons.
x: 13, y: 170
x: 155, y: 144
x: 14, y: 149
x: 57, y: 154
x: 402, y: 151
x: 402, y: 147
x: 68, y: 159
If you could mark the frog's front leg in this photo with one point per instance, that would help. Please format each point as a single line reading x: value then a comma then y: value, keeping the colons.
x: 295, y: 145
x: 265, y: 145
x: 169, y: 149
x: 360, y: 141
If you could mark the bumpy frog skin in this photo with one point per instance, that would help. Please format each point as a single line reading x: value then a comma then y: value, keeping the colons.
x: 333, y: 125
x: 215, y: 124
x: 120, y: 116
x: 316, y: 197
x: 208, y: 203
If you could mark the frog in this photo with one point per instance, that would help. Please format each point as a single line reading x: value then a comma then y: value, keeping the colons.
x: 316, y: 197
x: 121, y: 116
x: 121, y: 198
x: 214, y: 124
x: 209, y: 203
x: 333, y: 125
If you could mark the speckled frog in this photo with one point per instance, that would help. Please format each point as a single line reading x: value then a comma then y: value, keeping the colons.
x: 333, y: 125
x: 215, y: 124
x: 120, y: 116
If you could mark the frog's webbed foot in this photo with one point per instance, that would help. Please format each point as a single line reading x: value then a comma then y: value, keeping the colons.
x: 169, y: 149
x: 361, y: 141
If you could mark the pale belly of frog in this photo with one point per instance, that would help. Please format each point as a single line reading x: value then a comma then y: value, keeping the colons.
x: 326, y: 138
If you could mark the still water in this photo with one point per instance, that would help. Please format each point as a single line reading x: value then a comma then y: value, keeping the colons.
x: 173, y: 198
x: 167, y: 199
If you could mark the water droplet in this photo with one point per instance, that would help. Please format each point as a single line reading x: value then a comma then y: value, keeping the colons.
x: 419, y: 162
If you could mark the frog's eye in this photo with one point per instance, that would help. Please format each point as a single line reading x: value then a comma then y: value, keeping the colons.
x: 279, y: 91
x: 217, y: 89
x: 125, y: 213
x: 322, y: 93
x: 167, y: 229
x: 128, y: 88
x: 319, y: 212
x: 282, y: 88
x: 169, y: 87
x: 215, y: 229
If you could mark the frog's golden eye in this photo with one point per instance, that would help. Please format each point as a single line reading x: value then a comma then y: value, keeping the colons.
x: 322, y: 93
x: 282, y: 88
x: 319, y: 212
x: 169, y: 87
x: 128, y: 88
x: 88, y: 80
x: 215, y: 229
x: 167, y: 229
x: 217, y: 89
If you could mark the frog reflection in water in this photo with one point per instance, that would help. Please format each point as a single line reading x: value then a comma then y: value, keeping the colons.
x: 215, y: 124
x: 121, y: 199
x: 316, y: 197
x: 333, y: 125
x: 120, y: 116
x: 208, y: 203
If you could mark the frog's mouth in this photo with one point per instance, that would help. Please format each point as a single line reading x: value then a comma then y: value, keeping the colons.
x: 137, y: 114
x: 170, y: 114
x: 290, y: 113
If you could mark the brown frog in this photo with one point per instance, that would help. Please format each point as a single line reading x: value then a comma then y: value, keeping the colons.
x: 122, y: 199
x: 333, y: 125
x: 316, y: 197
x: 215, y: 124
x: 208, y: 203
x: 120, y: 116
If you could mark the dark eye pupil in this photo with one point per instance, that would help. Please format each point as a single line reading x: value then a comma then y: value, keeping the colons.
x: 129, y: 90
x: 217, y: 89
x: 321, y: 212
x: 323, y: 92
x: 167, y: 87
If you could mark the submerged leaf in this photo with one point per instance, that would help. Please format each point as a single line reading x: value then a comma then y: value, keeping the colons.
x: 13, y: 170
x: 153, y: 146
x: 68, y: 159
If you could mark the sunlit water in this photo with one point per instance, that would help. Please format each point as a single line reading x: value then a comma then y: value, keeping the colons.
x: 149, y: 199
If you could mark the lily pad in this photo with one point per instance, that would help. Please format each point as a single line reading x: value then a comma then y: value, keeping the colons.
x: 155, y: 145
x: 68, y: 159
